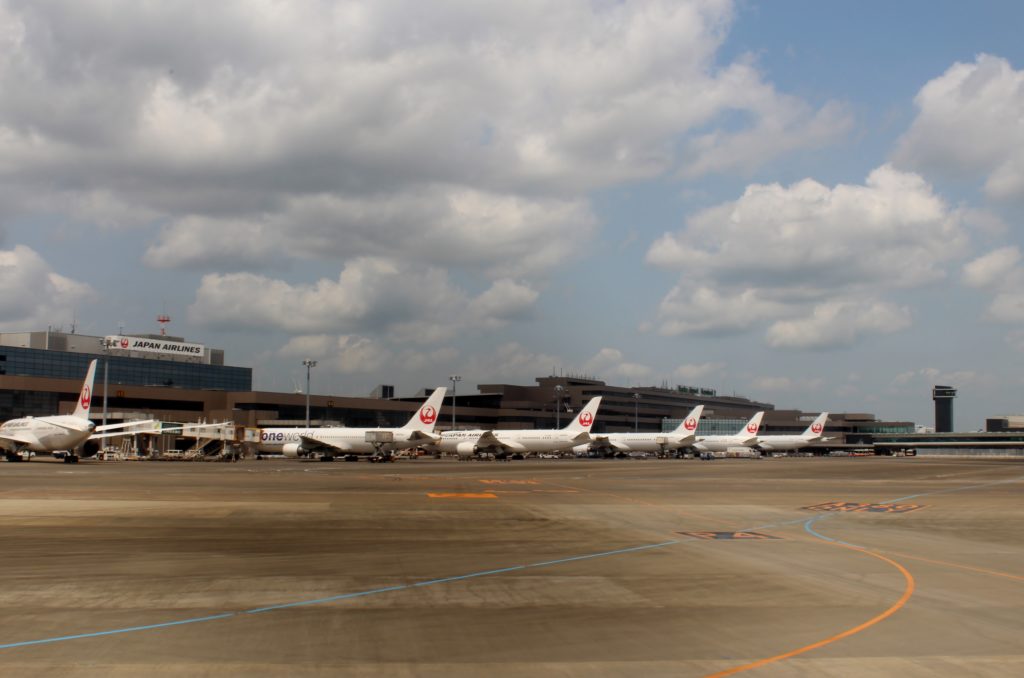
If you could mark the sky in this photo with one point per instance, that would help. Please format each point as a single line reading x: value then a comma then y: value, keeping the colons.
x: 818, y: 205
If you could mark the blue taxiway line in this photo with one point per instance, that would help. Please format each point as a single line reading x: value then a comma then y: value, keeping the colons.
x: 430, y: 582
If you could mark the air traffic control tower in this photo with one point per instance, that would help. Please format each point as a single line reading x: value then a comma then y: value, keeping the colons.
x: 943, y: 397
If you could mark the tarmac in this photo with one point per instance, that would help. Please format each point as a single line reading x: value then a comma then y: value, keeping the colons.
x: 771, y: 567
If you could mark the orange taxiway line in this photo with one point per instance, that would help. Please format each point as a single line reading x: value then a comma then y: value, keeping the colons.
x: 907, y: 593
x: 969, y: 568
x: 462, y: 495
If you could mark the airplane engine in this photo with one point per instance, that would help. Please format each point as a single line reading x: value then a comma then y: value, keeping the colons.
x: 90, y: 448
x: 294, y: 450
x: 465, y: 449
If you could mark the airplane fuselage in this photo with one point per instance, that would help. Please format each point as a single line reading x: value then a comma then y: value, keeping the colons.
x: 523, y: 441
x: 724, y: 443
x: 347, y: 440
x: 47, y: 434
x: 785, y: 442
x: 640, y: 442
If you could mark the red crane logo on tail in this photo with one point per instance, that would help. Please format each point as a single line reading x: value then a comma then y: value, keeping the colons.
x: 690, y: 424
x: 428, y: 415
x: 586, y: 419
x: 86, y: 397
x: 752, y: 428
x: 816, y: 428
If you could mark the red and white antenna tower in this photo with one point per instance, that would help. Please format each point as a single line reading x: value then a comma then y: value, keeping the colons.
x: 163, y: 319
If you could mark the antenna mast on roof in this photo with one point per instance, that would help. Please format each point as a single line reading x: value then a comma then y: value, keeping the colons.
x: 163, y: 319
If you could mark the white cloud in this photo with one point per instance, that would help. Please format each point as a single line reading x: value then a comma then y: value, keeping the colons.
x: 685, y: 310
x: 202, y: 242
x: 611, y: 364
x: 786, y: 384
x: 510, y: 362
x: 504, y: 302
x: 697, y: 372
x: 920, y: 380
x: 346, y: 354
x: 369, y: 294
x: 1000, y: 273
x: 994, y: 269
x: 839, y: 323
x: 803, y: 255
x: 497, y: 235
x: 969, y: 123
x: 385, y: 129
x: 1008, y: 307
x: 33, y: 295
x: 409, y: 303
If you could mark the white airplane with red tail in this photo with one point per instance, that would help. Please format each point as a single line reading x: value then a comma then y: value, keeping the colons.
x: 326, y: 443
x: 611, y: 444
x: 742, y: 440
x: 500, y: 443
x: 810, y: 436
x: 58, y: 433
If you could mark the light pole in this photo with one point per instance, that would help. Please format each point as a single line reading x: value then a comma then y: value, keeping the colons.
x: 309, y: 365
x: 455, y: 379
x: 558, y: 404
x: 636, y: 412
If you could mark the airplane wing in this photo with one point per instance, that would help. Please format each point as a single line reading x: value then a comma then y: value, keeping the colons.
x: 582, y: 437
x: 114, y: 427
x: 421, y: 437
x: 65, y: 426
x: 312, y: 443
x: 488, y: 439
x: 15, y: 440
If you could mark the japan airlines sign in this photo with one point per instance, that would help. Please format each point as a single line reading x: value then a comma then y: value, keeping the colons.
x: 143, y: 345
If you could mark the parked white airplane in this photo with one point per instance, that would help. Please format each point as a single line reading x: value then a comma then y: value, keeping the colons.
x: 62, y: 432
x: 329, y: 442
x: 502, y: 442
x: 746, y: 437
x: 609, y: 444
x: 789, y: 442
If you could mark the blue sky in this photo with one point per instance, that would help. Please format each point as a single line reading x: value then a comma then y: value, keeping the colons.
x: 814, y: 204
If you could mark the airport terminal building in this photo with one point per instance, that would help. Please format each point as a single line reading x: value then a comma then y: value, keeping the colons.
x: 170, y: 379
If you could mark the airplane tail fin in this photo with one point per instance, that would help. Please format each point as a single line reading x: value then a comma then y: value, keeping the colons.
x: 585, y: 419
x: 688, y: 426
x: 816, y: 427
x: 426, y: 417
x: 85, y: 395
x: 753, y: 426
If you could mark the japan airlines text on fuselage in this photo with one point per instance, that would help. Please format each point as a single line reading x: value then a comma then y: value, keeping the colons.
x: 329, y: 442
x: 812, y: 434
x: 501, y: 442
x: 745, y: 437
x: 54, y: 433
x: 682, y: 436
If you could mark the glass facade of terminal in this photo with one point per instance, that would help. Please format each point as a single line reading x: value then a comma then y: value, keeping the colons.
x: 32, y: 362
